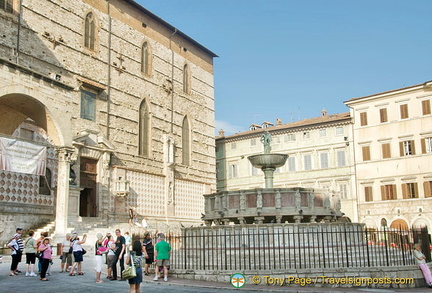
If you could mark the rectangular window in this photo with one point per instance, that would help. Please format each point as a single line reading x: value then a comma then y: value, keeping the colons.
x: 363, y: 119
x: 324, y: 160
x: 322, y: 132
x: 290, y: 137
x: 368, y: 193
x: 233, y: 146
x: 409, y: 190
x: 388, y: 192
x: 253, y: 141
x: 341, y: 158
x: 383, y: 115
x: 88, y: 105
x: 404, y: 111
x: 6, y: 5
x: 233, y: 171
x: 307, y: 162
x: 386, y: 150
x: 427, y: 188
x: 407, y: 148
x: 291, y: 164
x: 426, y: 145
x: 339, y: 130
x: 254, y: 171
x: 426, y: 108
x: 343, y: 189
x: 366, y: 153
x: 306, y: 135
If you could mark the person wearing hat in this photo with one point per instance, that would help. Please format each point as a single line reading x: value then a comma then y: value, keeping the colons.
x: 45, y: 260
x: 77, y: 253
x: 99, y: 250
x: 21, y: 247
x: 15, y: 253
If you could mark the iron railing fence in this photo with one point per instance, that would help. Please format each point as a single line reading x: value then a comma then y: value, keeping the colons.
x: 287, y: 247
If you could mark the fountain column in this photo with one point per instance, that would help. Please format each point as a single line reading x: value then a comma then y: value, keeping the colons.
x: 268, y: 176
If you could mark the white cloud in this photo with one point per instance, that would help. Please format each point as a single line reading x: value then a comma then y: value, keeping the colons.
x: 227, y: 127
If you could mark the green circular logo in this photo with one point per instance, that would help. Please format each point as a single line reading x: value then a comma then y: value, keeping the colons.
x: 238, y: 280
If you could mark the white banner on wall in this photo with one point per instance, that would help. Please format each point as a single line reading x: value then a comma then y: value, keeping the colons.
x: 22, y: 157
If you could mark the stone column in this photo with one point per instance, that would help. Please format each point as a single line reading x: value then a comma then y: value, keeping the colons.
x: 62, y: 203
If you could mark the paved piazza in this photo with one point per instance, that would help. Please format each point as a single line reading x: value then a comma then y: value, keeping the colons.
x: 61, y: 282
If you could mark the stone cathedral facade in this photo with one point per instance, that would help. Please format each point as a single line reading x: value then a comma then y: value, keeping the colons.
x: 123, y: 103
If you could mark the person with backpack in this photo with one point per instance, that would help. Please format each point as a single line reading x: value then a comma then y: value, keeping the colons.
x: 30, y: 251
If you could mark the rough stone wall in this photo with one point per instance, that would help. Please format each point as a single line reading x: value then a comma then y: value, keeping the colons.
x: 51, y: 47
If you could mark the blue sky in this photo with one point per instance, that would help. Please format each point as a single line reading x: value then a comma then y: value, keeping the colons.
x: 290, y: 59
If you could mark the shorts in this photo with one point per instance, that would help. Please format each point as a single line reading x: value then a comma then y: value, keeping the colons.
x: 30, y: 258
x: 149, y: 260
x: 110, y: 260
x: 67, y: 257
x: 78, y: 256
x: 98, y: 263
x: 163, y: 262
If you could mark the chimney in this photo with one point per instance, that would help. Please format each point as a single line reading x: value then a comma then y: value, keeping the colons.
x: 324, y: 112
x: 278, y: 121
x: 221, y: 133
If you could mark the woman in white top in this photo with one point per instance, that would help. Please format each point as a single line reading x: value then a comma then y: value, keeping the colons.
x: 77, y: 253
x: 421, y: 261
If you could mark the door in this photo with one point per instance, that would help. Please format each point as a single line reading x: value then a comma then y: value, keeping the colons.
x: 88, y: 196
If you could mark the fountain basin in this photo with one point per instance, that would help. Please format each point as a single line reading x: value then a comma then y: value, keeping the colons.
x: 264, y: 161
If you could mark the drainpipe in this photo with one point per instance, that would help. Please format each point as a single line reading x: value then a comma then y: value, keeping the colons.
x: 109, y: 73
x: 18, y: 32
x: 172, y: 81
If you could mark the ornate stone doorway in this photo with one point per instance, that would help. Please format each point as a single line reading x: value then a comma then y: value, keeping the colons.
x: 88, y: 196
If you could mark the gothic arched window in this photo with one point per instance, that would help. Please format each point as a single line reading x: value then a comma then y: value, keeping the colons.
x: 90, y: 31
x: 146, y: 59
x: 186, y: 142
x: 144, y: 129
x: 186, y: 79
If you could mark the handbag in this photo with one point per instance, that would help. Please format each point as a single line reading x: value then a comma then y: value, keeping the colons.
x: 129, y: 272
x: 84, y: 251
x: 102, y: 249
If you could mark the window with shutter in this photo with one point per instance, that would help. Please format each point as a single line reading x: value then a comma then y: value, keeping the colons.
x: 386, y: 150
x: 388, y: 192
x: 368, y: 193
x: 363, y: 119
x: 426, y: 108
x: 383, y: 115
x: 366, y: 153
x: 404, y: 111
x: 427, y: 188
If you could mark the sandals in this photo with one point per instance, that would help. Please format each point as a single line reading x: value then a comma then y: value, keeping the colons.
x: 45, y: 279
x: 80, y: 274
x: 72, y: 275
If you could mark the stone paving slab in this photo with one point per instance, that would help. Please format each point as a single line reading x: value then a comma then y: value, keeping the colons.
x: 62, y: 282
